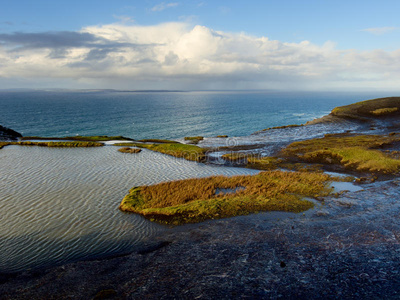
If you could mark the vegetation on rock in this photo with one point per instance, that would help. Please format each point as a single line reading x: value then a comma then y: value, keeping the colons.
x: 194, y: 139
x: 129, y: 150
x: 195, y: 200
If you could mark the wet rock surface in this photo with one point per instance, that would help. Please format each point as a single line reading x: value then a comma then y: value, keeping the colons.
x: 347, y: 247
x: 7, y: 134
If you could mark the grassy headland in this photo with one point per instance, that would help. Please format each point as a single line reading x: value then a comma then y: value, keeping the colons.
x: 369, y: 108
x: 196, y: 200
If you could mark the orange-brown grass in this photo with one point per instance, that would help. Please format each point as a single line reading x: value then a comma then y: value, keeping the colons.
x: 129, y: 150
x: 188, y: 152
x: 355, y: 152
x: 195, y: 200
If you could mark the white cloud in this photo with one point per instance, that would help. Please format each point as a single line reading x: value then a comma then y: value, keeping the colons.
x: 180, y: 56
x: 380, y: 30
x: 162, y: 6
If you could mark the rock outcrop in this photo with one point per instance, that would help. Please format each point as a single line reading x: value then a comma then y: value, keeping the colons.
x: 7, y: 134
x: 371, y: 111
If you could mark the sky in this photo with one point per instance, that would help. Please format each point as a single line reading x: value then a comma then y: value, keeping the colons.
x: 200, y: 45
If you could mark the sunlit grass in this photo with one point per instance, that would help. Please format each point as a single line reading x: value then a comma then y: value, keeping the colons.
x: 129, y: 150
x: 188, y: 152
x: 368, y: 108
x: 195, y: 200
x: 358, y: 153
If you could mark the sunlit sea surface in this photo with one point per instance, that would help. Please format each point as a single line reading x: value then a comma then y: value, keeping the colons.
x: 163, y: 114
x: 61, y: 205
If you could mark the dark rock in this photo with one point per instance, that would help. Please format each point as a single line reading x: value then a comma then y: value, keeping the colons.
x: 7, y: 134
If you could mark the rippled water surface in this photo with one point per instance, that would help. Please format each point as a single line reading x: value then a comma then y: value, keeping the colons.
x: 60, y: 205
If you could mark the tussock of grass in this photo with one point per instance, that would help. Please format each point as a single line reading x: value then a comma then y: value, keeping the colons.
x: 384, y: 111
x: 357, y: 153
x: 264, y: 163
x: 195, y: 200
x: 194, y: 139
x: 129, y: 150
x: 236, y: 156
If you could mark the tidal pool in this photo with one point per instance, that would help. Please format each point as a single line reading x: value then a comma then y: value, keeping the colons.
x: 61, y: 204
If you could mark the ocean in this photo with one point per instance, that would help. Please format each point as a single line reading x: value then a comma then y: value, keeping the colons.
x: 166, y: 115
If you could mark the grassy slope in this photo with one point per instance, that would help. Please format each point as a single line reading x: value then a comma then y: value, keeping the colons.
x: 365, y: 109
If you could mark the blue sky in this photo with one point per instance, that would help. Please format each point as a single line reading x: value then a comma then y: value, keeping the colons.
x: 316, y: 34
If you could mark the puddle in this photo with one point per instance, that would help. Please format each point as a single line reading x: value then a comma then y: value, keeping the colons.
x: 345, y: 186
x: 220, y: 191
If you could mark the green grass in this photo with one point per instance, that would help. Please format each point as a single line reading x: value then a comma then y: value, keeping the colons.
x: 236, y: 156
x: 384, y: 111
x: 195, y: 200
x: 356, y: 152
x: 98, y: 138
x: 188, y: 152
x: 194, y: 139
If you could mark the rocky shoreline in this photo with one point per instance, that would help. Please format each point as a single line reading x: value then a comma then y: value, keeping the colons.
x: 346, y: 247
x: 7, y: 134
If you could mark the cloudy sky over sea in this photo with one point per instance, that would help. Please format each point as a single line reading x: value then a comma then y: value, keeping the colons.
x: 195, y: 44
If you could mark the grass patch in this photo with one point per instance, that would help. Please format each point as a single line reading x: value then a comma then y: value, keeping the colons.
x: 368, y: 108
x: 358, y: 152
x: 194, y: 139
x: 129, y: 150
x: 55, y: 144
x: 97, y: 138
x: 236, y: 156
x: 384, y: 111
x: 188, y: 152
x: 195, y: 200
